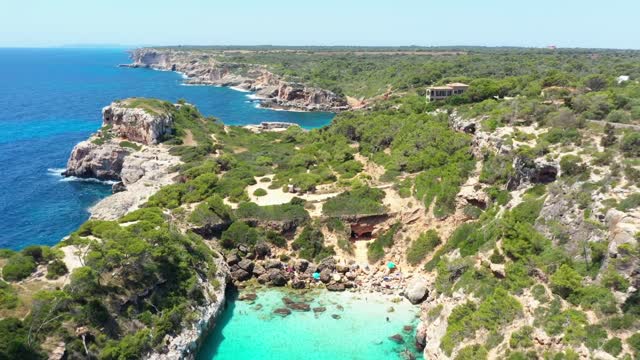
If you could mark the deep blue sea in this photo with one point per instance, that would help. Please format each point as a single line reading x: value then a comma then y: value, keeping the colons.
x: 50, y: 99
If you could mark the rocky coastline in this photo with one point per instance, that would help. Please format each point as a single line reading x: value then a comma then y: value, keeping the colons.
x: 127, y: 149
x: 270, y: 89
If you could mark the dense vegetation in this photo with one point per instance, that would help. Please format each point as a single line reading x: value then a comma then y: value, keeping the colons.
x: 142, y: 277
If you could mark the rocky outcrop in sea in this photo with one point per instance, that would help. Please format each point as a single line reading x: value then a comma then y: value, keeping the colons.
x: 126, y: 150
x: 272, y: 90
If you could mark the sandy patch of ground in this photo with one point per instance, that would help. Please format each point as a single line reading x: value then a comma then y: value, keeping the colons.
x: 279, y: 196
x: 188, y: 139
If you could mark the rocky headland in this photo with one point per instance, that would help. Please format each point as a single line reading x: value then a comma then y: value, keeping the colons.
x: 126, y: 150
x: 272, y: 90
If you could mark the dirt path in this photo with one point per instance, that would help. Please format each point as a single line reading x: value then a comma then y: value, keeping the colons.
x: 360, y: 250
x: 188, y: 139
x: 616, y: 125
x: 370, y: 168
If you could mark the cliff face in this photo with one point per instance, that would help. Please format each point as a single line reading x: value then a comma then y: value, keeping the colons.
x: 90, y: 160
x: 102, y: 156
x: 136, y: 124
x: 270, y: 88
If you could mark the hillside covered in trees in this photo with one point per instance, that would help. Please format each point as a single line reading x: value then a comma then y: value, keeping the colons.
x: 518, y: 202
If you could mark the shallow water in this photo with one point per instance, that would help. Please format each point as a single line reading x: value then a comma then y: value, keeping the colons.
x: 362, y: 332
x: 50, y: 99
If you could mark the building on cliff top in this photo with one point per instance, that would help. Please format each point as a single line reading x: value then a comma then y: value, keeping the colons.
x: 443, y: 92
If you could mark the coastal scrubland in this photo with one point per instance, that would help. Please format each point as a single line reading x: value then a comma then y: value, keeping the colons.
x: 518, y: 198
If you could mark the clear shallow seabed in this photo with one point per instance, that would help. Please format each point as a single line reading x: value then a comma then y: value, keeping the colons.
x: 50, y: 99
x: 251, y: 331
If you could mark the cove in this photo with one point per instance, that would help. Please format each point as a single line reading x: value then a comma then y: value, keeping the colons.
x: 250, y: 330
x: 51, y: 99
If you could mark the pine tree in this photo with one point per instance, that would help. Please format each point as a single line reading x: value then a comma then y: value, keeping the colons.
x: 609, y: 137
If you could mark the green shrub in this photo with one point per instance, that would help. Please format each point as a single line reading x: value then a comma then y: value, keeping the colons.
x: 522, y: 338
x: 239, y: 233
x: 35, y: 252
x: 276, y: 239
x: 630, y: 202
x: 613, y: 346
x: 571, y: 165
x: 496, y: 169
x: 634, y: 344
x: 362, y: 200
x: 129, y: 144
x: 211, y: 212
x: 630, y: 144
x: 14, y: 341
x: 260, y: 192
x: 496, y: 311
x: 375, y: 250
x: 423, y: 245
x: 596, y: 336
x: 8, y: 296
x: 614, y: 280
x: 472, y: 352
x: 310, y: 244
x: 18, y: 267
x: 291, y: 212
x: 565, y: 281
x: 56, y: 268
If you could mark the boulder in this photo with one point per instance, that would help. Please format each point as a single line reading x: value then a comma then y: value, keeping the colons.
x: 282, y: 312
x: 233, y: 259
x: 328, y: 263
x: 299, y: 306
x: 325, y: 275
x: 336, y: 287
x: 118, y: 187
x: 90, y: 160
x: 241, y: 275
x: 246, y: 265
x: 248, y: 297
x: 301, y: 265
x: 263, y: 279
x: 319, y: 309
x: 336, y: 316
x: 276, y: 277
x: 258, y: 270
x: 417, y: 290
x: 299, y: 284
x: 397, y: 338
x: 273, y: 264
x: 421, y: 337
x: 262, y: 250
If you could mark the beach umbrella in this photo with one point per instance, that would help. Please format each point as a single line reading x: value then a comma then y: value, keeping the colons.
x: 316, y: 275
x: 391, y: 265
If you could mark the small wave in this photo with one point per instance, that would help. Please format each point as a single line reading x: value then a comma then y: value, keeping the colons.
x: 239, y: 89
x: 55, y: 172
x: 254, y: 97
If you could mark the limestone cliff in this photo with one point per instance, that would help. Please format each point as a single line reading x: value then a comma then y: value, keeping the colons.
x: 102, y: 156
x: 91, y: 160
x: 273, y: 90
x: 136, y: 124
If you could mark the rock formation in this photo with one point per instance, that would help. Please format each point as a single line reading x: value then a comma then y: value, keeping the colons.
x: 140, y: 168
x: 91, y: 160
x: 136, y: 124
x: 273, y: 91
x: 102, y: 156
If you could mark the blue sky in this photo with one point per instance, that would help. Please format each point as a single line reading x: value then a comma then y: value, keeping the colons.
x: 565, y: 23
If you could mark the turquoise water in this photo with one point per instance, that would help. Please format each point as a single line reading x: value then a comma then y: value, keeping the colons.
x: 251, y: 331
x: 50, y: 99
